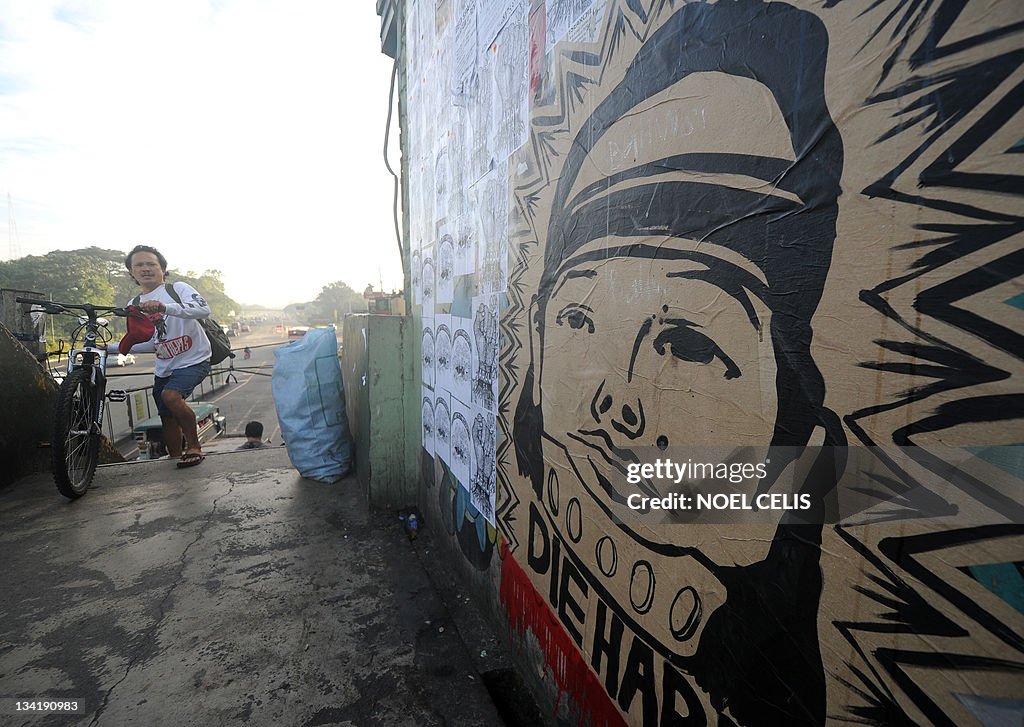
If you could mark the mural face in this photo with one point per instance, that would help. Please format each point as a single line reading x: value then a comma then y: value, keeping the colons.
x: 442, y: 430
x: 427, y: 356
x: 462, y: 447
x: 652, y: 358
x: 656, y: 353
x: 462, y: 364
x: 732, y: 225
x: 443, y: 351
x: 652, y: 320
x: 427, y: 423
x: 445, y: 270
x: 417, y: 272
x: 427, y: 282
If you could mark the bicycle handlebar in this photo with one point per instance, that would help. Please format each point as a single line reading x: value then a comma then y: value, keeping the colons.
x: 53, y: 307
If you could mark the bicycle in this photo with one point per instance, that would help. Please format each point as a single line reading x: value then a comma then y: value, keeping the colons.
x: 78, y: 414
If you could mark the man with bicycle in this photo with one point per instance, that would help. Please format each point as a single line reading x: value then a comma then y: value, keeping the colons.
x: 172, y: 330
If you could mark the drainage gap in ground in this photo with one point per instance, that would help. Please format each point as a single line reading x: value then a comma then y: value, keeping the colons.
x: 511, y: 698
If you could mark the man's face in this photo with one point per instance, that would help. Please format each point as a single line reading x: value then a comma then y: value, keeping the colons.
x: 146, y: 269
x: 655, y: 349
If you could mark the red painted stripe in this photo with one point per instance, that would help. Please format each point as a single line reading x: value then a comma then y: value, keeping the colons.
x: 525, y: 608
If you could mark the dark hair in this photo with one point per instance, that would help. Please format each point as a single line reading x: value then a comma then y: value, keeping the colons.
x: 145, y: 248
x: 254, y: 429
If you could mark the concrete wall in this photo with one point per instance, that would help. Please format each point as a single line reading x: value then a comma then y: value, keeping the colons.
x: 375, y: 367
x: 27, y: 400
x: 642, y: 229
x: 18, y: 321
x: 26, y: 411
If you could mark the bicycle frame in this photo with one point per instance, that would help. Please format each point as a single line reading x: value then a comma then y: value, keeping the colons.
x: 93, y: 358
x: 81, y: 399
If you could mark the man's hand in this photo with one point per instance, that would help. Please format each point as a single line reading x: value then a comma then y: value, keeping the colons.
x: 152, y: 306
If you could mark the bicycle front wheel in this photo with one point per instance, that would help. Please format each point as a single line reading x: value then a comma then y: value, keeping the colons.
x: 75, y: 443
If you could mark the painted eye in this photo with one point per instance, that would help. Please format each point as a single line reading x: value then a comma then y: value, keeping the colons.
x: 576, y: 316
x: 690, y: 345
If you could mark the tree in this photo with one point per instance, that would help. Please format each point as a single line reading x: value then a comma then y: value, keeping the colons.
x: 90, y: 275
x: 97, y: 275
x: 210, y: 285
x: 334, y: 302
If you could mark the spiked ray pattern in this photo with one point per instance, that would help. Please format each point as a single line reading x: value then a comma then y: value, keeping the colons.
x: 957, y: 347
x: 575, y: 70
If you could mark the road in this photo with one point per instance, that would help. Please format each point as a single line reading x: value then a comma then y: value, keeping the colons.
x: 247, y: 397
x: 235, y: 593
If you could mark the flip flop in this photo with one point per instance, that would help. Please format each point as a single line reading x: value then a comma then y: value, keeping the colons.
x: 190, y: 459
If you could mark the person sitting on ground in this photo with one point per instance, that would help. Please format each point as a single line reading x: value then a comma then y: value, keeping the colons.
x: 253, y: 436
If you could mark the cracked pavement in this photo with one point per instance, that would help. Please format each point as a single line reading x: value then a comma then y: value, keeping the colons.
x: 232, y: 593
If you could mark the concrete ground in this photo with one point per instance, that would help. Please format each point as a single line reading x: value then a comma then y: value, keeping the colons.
x: 235, y: 592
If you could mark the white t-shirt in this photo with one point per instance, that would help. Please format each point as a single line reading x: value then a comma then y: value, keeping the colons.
x: 179, y: 340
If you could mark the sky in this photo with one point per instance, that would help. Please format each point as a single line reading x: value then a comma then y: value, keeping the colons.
x: 239, y: 135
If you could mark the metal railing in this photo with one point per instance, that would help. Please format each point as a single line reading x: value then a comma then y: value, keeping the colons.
x: 140, y: 405
x: 119, y: 424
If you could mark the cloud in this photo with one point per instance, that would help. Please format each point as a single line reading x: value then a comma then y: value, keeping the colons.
x: 241, y: 135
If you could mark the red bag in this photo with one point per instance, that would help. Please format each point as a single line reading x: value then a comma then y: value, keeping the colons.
x: 140, y: 329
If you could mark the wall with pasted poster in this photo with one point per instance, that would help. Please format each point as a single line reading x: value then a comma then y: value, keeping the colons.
x: 646, y: 224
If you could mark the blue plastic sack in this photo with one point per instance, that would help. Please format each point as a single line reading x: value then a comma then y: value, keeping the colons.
x: 310, y: 401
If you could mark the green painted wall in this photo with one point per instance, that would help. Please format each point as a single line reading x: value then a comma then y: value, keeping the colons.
x: 377, y: 371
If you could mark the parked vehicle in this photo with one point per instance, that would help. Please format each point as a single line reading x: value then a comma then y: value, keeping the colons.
x: 149, y: 432
x: 125, y: 359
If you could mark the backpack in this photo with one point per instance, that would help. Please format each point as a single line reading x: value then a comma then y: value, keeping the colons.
x: 220, y: 346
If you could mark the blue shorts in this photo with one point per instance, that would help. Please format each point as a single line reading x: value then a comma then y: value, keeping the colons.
x: 181, y: 380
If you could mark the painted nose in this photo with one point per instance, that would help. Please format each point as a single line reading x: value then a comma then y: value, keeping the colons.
x: 627, y: 419
x: 630, y: 422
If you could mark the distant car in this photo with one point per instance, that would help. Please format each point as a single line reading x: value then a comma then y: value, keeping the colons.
x: 125, y: 359
x: 245, y: 328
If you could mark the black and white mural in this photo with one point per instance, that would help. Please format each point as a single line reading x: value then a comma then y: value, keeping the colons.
x: 738, y: 224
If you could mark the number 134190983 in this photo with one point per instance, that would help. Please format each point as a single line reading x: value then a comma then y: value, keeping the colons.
x: 42, y: 706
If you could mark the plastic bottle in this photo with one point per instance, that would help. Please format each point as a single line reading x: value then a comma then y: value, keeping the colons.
x: 413, y: 525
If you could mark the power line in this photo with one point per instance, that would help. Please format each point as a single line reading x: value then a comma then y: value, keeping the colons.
x: 387, y: 163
